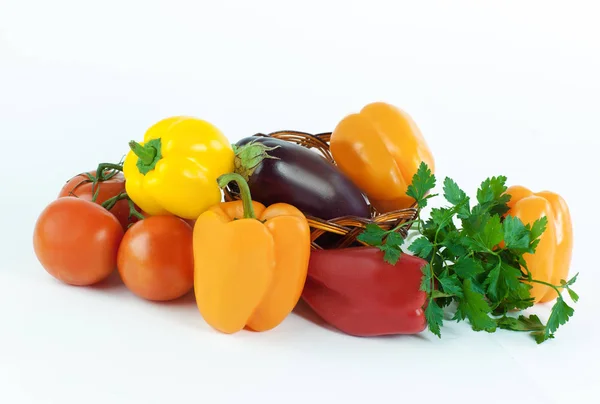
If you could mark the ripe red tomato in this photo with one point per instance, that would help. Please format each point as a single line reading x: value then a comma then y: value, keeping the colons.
x: 156, y: 260
x: 81, y: 186
x: 77, y: 241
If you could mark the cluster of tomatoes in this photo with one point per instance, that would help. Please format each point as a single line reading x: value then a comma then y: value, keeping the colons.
x: 93, y: 229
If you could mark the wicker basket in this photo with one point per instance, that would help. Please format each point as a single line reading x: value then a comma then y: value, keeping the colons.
x: 346, y: 228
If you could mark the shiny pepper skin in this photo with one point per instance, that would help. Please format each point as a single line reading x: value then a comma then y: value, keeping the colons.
x: 250, y: 262
x: 552, y: 258
x: 356, y: 291
x: 175, y: 169
x: 380, y: 149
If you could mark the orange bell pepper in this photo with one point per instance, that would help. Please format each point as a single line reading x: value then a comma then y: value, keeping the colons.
x: 552, y: 258
x: 250, y: 261
x: 380, y: 149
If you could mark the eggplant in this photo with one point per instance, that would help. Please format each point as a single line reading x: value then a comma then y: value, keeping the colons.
x: 280, y: 171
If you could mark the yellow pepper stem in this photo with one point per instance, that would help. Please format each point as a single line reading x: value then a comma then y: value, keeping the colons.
x: 225, y: 179
x: 148, y: 154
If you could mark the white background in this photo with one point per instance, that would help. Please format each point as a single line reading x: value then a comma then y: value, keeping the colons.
x: 497, y: 87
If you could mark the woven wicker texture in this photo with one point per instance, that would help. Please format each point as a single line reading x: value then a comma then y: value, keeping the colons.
x: 340, y: 232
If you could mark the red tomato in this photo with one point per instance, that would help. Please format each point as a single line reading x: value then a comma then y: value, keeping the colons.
x: 77, y: 241
x: 81, y: 186
x: 191, y: 222
x: 156, y: 260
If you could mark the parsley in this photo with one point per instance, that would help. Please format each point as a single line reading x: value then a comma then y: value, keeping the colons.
x: 474, y: 258
x: 388, y: 241
x: 422, y: 182
x: 434, y: 315
x: 474, y: 307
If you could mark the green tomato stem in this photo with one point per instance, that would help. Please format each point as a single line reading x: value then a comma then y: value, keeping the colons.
x: 110, y: 203
x: 225, y: 179
x: 107, y: 166
x: 133, y: 211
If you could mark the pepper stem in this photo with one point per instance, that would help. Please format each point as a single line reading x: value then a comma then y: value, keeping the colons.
x: 148, y: 155
x: 225, y: 179
x: 145, y: 153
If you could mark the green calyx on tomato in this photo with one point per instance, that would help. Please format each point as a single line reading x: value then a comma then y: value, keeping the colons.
x: 100, y: 185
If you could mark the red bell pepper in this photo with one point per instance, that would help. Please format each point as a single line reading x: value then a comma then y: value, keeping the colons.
x: 356, y: 291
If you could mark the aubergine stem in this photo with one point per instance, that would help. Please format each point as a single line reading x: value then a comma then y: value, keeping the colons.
x: 249, y: 156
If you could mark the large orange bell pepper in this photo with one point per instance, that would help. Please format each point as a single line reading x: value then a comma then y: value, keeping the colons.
x: 552, y: 259
x: 250, y: 261
x: 380, y: 149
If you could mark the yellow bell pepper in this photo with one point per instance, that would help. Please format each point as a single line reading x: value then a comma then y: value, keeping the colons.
x: 552, y: 259
x: 175, y: 169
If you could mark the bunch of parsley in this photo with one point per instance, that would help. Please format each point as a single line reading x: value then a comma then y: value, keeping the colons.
x: 475, y: 258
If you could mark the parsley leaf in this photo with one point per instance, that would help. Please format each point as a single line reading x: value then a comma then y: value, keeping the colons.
x: 492, y: 232
x: 516, y: 235
x: 539, y: 227
x: 434, y: 315
x: 491, y: 189
x: 474, y: 307
x: 501, y: 281
x: 522, y: 323
x: 372, y: 235
x: 485, y: 233
x: 574, y: 296
x: 467, y: 268
x: 456, y: 197
x: 452, y: 192
x: 451, y: 285
x: 391, y: 253
x: 426, y: 279
x: 422, y: 247
x: 560, y: 314
x: 540, y: 336
x: 394, y: 239
x: 570, y: 282
x: 536, y: 230
x: 422, y: 182
x: 492, y: 196
x: 452, y: 242
x: 440, y: 216
x: 391, y: 248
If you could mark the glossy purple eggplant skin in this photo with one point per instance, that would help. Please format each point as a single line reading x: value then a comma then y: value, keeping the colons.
x: 304, y: 179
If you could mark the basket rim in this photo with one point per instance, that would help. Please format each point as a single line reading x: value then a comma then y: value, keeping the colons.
x: 348, y: 227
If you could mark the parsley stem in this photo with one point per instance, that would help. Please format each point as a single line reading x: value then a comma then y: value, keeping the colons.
x: 401, y: 225
x: 548, y: 284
